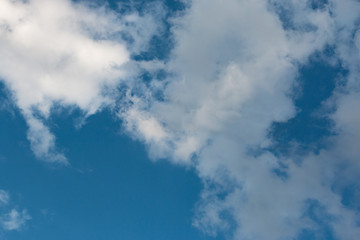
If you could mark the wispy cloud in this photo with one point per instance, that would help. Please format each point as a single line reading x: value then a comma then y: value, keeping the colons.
x: 4, y: 197
x: 11, y: 218
x: 14, y: 220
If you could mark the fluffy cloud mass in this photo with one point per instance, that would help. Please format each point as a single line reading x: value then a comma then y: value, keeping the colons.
x: 234, y: 77
x: 233, y: 74
x: 58, y: 52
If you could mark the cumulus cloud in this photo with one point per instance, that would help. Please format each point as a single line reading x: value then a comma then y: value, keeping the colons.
x: 11, y: 218
x: 235, y: 64
x: 232, y: 74
x: 64, y: 53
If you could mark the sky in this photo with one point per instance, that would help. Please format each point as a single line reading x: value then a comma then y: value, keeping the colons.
x: 179, y: 119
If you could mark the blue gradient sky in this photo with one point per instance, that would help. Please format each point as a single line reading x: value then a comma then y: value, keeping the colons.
x: 213, y: 132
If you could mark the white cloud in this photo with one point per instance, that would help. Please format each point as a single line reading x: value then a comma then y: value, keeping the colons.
x: 235, y: 64
x: 233, y: 68
x: 11, y: 218
x: 59, y: 52
x: 14, y: 220
x: 4, y: 197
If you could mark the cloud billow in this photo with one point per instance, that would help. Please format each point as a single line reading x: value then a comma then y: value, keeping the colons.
x: 63, y: 53
x: 236, y: 65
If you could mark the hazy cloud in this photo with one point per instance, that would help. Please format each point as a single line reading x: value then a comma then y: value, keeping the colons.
x: 14, y: 220
x: 11, y: 218
x: 4, y: 197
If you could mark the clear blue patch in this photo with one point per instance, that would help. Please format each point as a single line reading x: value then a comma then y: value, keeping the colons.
x: 309, y: 129
x: 318, y: 4
x: 110, y: 191
x: 350, y: 196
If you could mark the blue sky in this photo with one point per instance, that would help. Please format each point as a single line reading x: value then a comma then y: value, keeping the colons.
x: 112, y: 191
x: 174, y: 120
